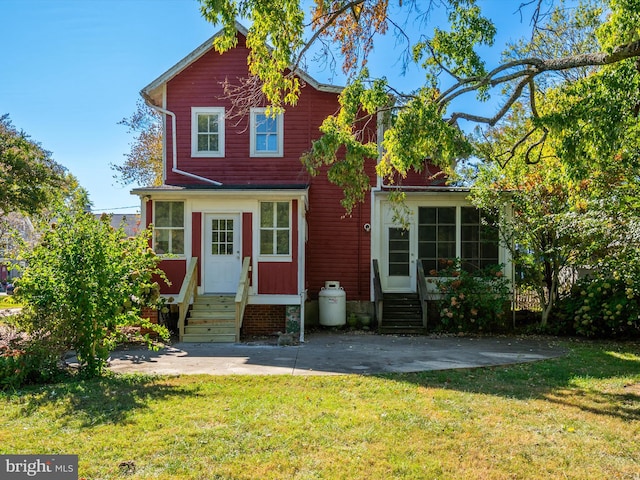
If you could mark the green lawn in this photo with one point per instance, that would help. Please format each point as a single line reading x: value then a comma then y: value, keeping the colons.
x: 572, y: 417
x: 7, y: 301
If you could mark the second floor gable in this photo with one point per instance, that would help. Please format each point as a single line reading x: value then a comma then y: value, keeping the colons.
x: 217, y: 132
x: 214, y: 138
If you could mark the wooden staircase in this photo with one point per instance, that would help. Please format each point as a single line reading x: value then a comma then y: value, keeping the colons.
x: 402, y: 314
x: 211, y: 319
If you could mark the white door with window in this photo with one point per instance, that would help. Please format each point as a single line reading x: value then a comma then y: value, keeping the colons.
x: 399, y: 262
x: 222, y: 259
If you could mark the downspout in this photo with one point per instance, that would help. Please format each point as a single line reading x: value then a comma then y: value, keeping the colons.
x: 302, y: 238
x: 174, y: 143
x: 303, y: 299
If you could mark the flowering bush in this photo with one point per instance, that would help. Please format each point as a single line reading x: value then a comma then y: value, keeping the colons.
x: 605, y: 304
x: 472, y: 301
x: 24, y: 360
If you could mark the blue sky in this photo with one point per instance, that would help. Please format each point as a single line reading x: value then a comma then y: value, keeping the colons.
x: 70, y: 70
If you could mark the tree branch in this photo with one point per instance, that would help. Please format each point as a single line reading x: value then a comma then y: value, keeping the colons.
x: 501, y: 113
x: 323, y: 28
x: 531, y: 68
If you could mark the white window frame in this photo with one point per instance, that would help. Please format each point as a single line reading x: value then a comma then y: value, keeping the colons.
x: 459, y: 240
x: 195, y: 112
x: 255, y: 111
x: 170, y: 229
x: 277, y: 257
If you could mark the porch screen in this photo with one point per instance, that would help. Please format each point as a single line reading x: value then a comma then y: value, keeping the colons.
x: 479, y: 247
x: 437, y: 237
x: 447, y: 233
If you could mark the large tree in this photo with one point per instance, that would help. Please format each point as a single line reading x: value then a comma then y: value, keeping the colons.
x: 30, y: 180
x: 555, y: 223
x: 423, y: 123
x: 569, y: 158
x: 33, y: 188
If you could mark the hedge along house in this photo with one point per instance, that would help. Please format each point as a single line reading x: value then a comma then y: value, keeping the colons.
x: 248, y: 237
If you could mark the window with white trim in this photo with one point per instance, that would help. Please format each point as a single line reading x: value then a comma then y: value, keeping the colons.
x: 479, y: 240
x: 447, y: 233
x: 437, y: 236
x: 207, y: 132
x: 168, y: 228
x: 266, y: 134
x: 275, y: 228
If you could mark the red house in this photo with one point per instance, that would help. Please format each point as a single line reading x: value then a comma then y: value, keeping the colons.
x: 249, y: 238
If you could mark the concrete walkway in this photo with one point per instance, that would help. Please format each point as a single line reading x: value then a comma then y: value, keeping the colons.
x: 334, y: 353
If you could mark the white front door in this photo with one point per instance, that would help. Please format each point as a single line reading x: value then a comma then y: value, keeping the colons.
x: 222, y: 262
x: 398, y: 264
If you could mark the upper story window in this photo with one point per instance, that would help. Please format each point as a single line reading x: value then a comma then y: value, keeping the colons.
x: 207, y: 132
x: 266, y: 134
x: 168, y: 228
x: 275, y: 228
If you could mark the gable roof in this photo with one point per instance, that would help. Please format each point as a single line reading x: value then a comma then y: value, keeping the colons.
x: 153, y: 91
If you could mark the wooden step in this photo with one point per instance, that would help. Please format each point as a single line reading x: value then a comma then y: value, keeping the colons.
x: 211, y: 315
x: 390, y: 329
x: 214, y: 299
x: 200, y: 338
x: 212, y: 319
x: 402, y: 314
x: 222, y: 333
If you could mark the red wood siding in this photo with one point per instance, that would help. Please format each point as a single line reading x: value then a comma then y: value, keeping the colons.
x: 282, y: 277
x: 200, y: 85
x: 175, y: 271
x: 338, y: 248
x: 196, y: 241
x: 429, y: 176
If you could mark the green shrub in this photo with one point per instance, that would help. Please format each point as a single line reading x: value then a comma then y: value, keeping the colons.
x: 25, y: 359
x: 86, y: 282
x: 472, y: 302
x: 603, y: 306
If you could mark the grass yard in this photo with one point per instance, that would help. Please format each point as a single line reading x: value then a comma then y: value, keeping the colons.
x: 7, y: 301
x: 573, y: 417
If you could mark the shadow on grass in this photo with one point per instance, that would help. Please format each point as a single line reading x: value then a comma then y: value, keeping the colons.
x: 107, y: 400
x: 598, y: 377
x: 623, y: 405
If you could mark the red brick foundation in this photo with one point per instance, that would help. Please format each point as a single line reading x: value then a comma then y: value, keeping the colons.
x: 150, y: 313
x: 263, y: 320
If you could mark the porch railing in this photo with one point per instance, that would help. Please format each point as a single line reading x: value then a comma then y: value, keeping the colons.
x: 378, y: 295
x: 422, y: 291
x: 242, y: 294
x: 188, y: 291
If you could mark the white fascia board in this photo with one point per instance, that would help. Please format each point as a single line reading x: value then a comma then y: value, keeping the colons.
x: 181, y: 193
x: 275, y: 299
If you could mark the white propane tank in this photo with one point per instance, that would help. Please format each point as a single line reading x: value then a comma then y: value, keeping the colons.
x: 333, y: 305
